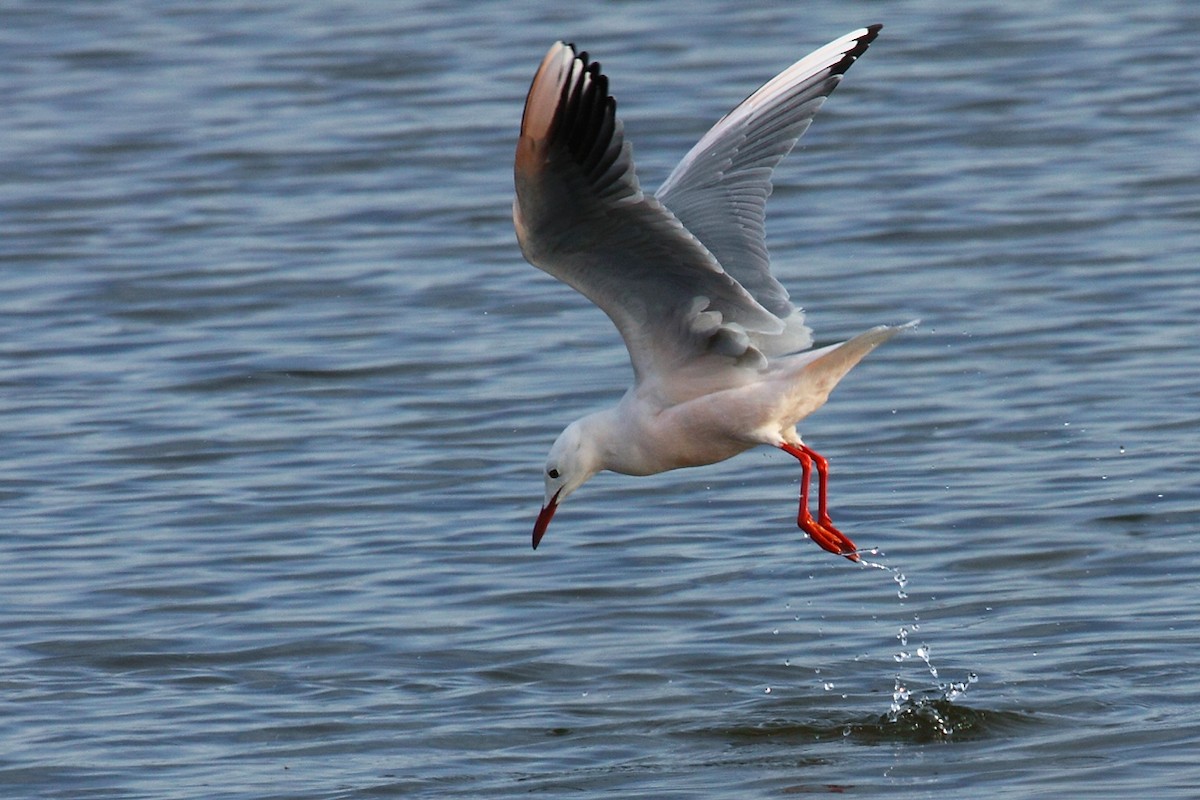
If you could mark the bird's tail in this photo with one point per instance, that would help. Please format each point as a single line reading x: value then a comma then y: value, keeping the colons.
x: 824, y: 371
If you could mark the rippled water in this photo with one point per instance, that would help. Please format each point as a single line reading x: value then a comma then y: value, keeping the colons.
x: 277, y: 387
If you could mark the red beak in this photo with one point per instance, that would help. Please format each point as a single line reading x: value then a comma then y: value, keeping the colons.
x: 543, y: 520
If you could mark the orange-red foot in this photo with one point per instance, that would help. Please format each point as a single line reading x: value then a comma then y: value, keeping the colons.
x: 828, y: 538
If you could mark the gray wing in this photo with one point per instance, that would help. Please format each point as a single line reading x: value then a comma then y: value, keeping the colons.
x: 719, y: 190
x: 581, y: 216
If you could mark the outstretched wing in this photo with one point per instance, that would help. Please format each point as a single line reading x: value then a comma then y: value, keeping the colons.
x: 581, y: 216
x: 719, y: 190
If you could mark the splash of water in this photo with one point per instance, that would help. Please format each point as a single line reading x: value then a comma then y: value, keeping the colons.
x: 899, y: 577
x: 905, y: 706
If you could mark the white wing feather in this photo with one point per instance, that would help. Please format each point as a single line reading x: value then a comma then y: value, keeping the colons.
x: 719, y: 190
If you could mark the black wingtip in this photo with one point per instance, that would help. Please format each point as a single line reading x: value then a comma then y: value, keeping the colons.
x: 865, y: 40
x: 859, y: 48
x: 586, y: 124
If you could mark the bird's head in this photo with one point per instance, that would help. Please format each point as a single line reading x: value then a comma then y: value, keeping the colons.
x: 572, y: 460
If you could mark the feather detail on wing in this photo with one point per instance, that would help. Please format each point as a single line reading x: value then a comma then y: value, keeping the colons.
x: 720, y: 188
x: 581, y: 216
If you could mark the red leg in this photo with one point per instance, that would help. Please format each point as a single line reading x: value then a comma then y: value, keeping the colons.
x: 822, y: 465
x: 820, y: 530
x: 804, y: 516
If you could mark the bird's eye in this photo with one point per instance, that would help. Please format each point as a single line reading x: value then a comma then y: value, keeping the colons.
x: 552, y: 474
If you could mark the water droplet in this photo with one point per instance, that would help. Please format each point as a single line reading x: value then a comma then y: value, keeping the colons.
x: 768, y: 690
x: 828, y: 685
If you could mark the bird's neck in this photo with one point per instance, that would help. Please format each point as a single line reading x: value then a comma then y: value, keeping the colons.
x: 602, y: 434
x: 622, y: 440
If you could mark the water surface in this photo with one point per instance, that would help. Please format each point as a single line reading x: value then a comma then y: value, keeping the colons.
x: 278, y: 387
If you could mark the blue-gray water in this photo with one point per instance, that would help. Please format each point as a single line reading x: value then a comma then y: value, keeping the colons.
x: 277, y: 387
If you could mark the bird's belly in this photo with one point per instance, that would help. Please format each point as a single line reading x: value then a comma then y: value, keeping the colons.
x: 682, y: 453
x: 683, y: 437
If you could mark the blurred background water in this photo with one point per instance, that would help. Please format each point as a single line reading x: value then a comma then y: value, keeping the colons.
x: 277, y: 387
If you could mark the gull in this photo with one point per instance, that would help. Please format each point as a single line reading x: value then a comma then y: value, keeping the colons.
x: 722, y: 359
